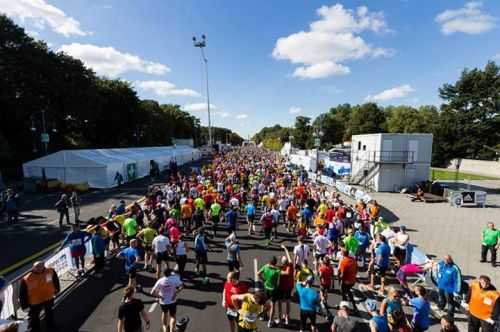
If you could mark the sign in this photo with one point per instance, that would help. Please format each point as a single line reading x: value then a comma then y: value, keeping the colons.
x: 45, y: 138
x: 131, y: 171
x: 61, y: 262
x: 468, y: 197
x: 317, y: 142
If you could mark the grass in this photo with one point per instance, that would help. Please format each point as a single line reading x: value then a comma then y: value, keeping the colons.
x: 446, y: 174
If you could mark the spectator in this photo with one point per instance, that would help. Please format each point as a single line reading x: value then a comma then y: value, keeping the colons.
x: 447, y: 324
x: 62, y: 207
x: 484, y: 306
x: 98, y: 250
x: 75, y: 204
x: 37, y: 291
x: 449, y: 281
x: 12, y: 206
x: 490, y: 243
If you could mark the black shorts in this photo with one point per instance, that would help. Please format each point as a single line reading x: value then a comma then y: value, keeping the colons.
x: 380, y: 271
x: 267, y: 233
x: 304, y: 316
x: 201, y: 257
x: 170, y: 308
x: 132, y: 273
x: 215, y: 219
x: 148, y: 248
x: 251, y: 218
x: 285, y: 295
x: 319, y: 256
x: 233, y: 265
x: 161, y: 257
x: 273, y: 295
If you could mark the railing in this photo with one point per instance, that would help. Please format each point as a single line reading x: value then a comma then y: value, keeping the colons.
x: 396, y: 157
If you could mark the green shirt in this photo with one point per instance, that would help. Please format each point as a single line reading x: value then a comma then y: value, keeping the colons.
x: 271, y: 276
x: 130, y: 227
x: 490, y: 236
x: 215, y: 209
x: 148, y: 235
x: 351, y: 244
x: 175, y: 213
x: 199, y: 203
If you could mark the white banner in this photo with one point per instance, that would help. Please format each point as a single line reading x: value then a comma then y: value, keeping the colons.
x: 61, y: 262
x: 6, y: 296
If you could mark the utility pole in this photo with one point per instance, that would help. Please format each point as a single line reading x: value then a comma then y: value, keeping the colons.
x: 201, y: 45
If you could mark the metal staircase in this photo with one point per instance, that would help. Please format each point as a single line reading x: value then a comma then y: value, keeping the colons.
x: 365, y: 173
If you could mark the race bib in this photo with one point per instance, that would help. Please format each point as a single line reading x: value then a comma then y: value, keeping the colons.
x: 487, y: 301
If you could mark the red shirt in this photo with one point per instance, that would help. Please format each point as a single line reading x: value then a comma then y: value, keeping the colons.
x: 286, y: 280
x: 329, y: 215
x: 230, y: 290
x: 174, y: 233
x: 326, y: 275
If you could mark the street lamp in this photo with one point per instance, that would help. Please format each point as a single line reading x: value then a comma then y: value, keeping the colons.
x: 44, y: 136
x: 318, y: 133
x: 201, y: 45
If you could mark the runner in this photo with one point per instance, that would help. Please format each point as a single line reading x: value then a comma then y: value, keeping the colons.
x: 166, y: 290
x: 161, y: 246
x: 147, y: 235
x: 232, y: 286
x: 270, y: 275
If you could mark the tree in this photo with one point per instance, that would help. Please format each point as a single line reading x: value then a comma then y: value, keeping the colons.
x: 367, y: 119
x: 473, y: 103
x: 302, y: 133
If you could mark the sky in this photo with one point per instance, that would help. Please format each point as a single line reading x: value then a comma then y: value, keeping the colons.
x: 270, y: 61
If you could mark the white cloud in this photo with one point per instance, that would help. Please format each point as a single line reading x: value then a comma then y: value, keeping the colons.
x: 394, y: 93
x: 241, y: 116
x: 221, y: 114
x: 332, y: 40
x: 470, y: 20
x: 40, y: 14
x: 111, y: 62
x: 496, y: 56
x: 164, y: 88
x: 294, y: 110
x: 199, y: 107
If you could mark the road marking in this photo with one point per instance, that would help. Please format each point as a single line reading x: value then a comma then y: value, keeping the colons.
x: 255, y: 269
x: 30, y: 258
x: 153, y: 307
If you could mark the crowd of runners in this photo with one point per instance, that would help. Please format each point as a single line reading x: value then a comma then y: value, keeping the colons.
x: 252, y: 192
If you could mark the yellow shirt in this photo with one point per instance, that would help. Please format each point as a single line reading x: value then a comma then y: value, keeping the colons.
x: 249, y: 313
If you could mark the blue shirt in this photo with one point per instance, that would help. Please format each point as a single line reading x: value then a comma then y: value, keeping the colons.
x: 98, y: 245
x: 421, y: 310
x: 76, y: 241
x: 308, y: 298
x: 381, y: 323
x: 363, y: 239
x: 383, y: 253
x: 448, y: 278
x: 332, y: 233
x: 200, y: 244
x: 130, y: 255
x: 231, y: 218
x: 307, y: 213
x: 250, y: 210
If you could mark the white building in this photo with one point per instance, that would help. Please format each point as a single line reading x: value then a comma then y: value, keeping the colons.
x: 389, y: 162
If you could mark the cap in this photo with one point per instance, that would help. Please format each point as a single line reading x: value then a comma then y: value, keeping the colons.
x: 371, y: 305
x: 345, y: 304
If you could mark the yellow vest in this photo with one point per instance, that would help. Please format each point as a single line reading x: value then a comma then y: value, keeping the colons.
x: 482, y: 302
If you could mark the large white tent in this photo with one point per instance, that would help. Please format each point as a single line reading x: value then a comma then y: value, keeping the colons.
x: 98, y: 167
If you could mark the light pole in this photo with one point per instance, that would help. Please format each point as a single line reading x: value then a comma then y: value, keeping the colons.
x: 201, y: 45
x: 318, y: 133
x: 44, y: 136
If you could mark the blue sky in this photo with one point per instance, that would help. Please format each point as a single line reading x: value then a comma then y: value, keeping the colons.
x: 270, y: 61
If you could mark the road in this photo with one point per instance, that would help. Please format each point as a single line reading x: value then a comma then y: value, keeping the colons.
x: 93, y: 305
x: 38, y: 225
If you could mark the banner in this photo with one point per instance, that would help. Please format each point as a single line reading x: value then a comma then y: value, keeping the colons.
x: 61, y: 262
x: 6, y: 296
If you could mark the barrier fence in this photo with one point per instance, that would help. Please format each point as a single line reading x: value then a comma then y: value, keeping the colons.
x: 60, y: 261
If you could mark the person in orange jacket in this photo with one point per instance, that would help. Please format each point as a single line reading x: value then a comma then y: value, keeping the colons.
x: 484, y: 307
x: 37, y: 291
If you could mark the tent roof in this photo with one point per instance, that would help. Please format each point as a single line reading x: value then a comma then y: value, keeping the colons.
x: 103, y: 157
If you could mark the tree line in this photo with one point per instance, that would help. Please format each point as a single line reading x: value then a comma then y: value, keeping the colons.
x: 42, y: 88
x: 466, y: 125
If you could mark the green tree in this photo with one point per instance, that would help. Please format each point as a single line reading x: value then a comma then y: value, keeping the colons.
x: 473, y: 103
x: 302, y: 133
x: 367, y: 119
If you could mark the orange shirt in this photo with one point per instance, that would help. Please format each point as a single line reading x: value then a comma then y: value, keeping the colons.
x: 348, y: 268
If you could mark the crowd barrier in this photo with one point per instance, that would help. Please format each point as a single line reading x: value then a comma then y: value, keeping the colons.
x: 60, y: 261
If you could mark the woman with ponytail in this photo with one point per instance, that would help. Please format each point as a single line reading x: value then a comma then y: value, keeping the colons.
x: 130, y: 312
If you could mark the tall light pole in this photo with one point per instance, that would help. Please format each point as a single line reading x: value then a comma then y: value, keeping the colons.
x: 318, y: 133
x: 201, y: 45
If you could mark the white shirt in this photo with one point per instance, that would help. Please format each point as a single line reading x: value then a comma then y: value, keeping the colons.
x: 161, y: 243
x: 166, y: 287
x: 321, y: 244
x: 234, y: 201
x: 301, y: 252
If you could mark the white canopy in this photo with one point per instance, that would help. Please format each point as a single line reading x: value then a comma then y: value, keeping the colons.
x: 98, y: 167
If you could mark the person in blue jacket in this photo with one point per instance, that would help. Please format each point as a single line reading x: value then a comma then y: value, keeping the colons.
x: 449, y: 281
x: 363, y: 239
x: 76, y: 240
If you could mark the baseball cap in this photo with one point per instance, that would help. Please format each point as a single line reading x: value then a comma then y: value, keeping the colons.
x: 371, y: 305
x: 345, y: 304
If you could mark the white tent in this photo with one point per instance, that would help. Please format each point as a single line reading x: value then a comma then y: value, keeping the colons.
x: 99, y: 167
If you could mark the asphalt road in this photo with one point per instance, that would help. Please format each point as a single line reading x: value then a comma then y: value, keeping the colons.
x: 38, y: 225
x: 94, y: 304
